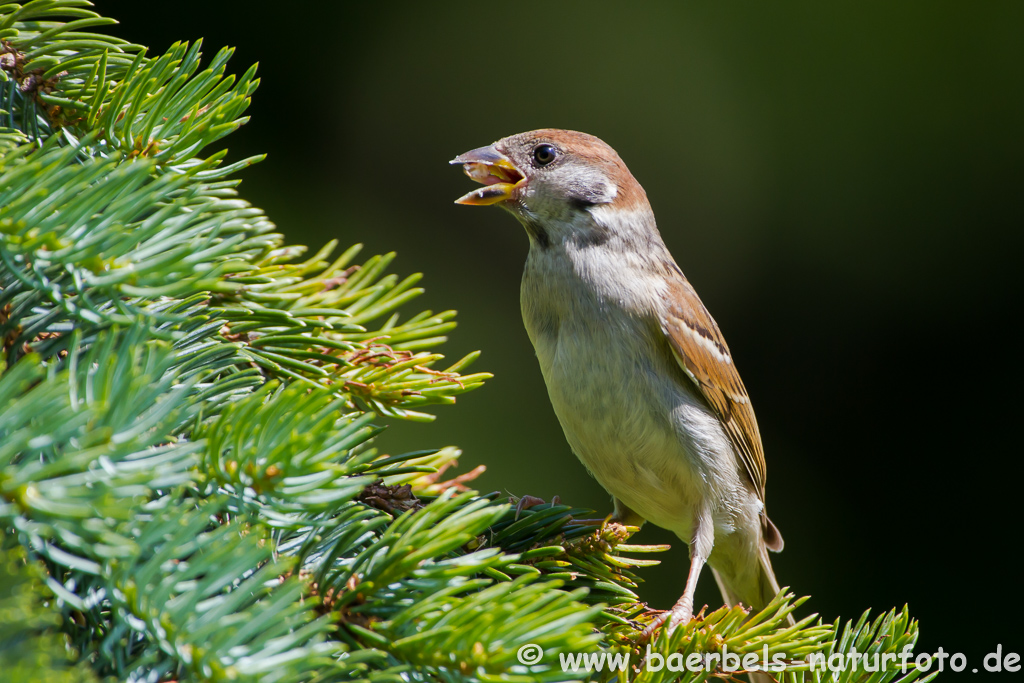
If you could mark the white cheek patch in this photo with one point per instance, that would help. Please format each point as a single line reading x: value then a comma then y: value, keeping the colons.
x: 624, y: 222
x: 610, y: 191
x: 592, y: 185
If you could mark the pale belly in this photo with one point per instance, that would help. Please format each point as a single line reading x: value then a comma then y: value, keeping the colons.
x: 643, y: 434
x: 629, y: 412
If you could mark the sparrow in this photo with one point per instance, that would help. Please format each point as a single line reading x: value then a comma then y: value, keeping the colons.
x: 638, y: 373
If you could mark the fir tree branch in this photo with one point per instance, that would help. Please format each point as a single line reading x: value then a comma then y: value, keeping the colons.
x: 187, y: 464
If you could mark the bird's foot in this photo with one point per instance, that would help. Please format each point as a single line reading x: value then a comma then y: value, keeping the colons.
x: 670, y: 619
x: 527, y: 502
x: 619, y: 530
x: 614, y: 519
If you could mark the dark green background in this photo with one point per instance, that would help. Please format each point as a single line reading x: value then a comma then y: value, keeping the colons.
x: 841, y: 181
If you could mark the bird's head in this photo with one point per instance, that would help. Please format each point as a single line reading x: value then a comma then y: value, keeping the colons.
x: 560, y: 180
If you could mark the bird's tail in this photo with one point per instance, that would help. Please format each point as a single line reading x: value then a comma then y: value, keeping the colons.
x: 754, y: 588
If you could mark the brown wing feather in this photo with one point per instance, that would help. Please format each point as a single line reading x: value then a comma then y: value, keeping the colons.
x: 701, y: 351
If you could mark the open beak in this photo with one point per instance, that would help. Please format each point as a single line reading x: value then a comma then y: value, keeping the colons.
x: 492, y: 168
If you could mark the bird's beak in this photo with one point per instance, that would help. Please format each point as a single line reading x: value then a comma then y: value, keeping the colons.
x: 492, y: 168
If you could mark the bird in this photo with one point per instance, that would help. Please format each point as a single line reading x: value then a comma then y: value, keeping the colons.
x: 637, y: 371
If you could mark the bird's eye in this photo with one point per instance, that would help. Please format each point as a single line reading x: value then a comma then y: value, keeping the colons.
x: 544, y: 154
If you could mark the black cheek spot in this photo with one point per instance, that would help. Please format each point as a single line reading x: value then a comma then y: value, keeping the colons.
x: 539, y: 235
x: 581, y: 203
x: 542, y: 238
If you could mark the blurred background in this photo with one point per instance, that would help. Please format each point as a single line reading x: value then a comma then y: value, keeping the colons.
x: 843, y: 183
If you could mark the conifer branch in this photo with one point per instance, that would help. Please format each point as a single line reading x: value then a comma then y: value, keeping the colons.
x: 188, y: 475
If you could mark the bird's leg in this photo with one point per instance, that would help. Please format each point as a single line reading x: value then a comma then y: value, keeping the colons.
x: 625, y: 516
x: 700, y: 549
x: 621, y: 515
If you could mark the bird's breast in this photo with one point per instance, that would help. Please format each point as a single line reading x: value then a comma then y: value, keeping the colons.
x: 616, y: 389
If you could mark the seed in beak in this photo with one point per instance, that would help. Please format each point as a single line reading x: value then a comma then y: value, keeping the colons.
x: 478, y: 172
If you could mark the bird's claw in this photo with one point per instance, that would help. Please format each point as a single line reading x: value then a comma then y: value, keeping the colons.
x: 673, y: 617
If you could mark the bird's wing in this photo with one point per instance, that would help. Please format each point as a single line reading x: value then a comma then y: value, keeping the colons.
x: 701, y: 352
